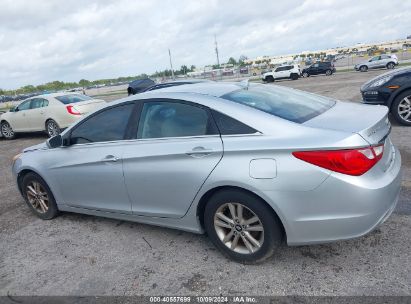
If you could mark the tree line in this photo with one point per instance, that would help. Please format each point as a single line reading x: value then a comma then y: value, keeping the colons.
x: 84, y: 83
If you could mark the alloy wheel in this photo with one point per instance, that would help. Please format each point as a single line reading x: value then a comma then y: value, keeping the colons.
x: 239, y: 228
x: 404, y: 108
x: 52, y: 128
x: 37, y: 197
x: 6, y: 130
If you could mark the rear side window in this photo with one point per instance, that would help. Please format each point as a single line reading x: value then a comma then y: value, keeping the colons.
x: 173, y: 119
x: 73, y: 98
x: 289, y: 104
x: 39, y: 103
x: 108, y: 125
x: 230, y: 126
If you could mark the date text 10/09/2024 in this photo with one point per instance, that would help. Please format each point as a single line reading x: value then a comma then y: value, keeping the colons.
x: 205, y: 299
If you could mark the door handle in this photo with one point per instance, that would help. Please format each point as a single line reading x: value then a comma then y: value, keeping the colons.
x: 110, y: 158
x: 199, y: 152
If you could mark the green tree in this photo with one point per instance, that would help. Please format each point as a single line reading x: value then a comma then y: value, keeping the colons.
x: 183, y: 69
x: 232, y: 61
x: 84, y: 83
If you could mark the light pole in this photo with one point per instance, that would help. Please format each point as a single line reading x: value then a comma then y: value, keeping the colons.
x: 171, y: 64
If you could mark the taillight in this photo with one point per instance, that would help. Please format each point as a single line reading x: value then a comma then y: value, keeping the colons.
x: 72, y: 110
x: 352, y: 162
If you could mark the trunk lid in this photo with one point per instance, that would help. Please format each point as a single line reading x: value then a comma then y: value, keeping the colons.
x: 85, y: 107
x: 369, y: 121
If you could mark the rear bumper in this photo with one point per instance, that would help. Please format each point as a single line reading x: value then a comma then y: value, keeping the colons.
x: 342, y: 207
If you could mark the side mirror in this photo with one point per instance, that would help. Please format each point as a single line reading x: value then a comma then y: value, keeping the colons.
x: 55, y: 141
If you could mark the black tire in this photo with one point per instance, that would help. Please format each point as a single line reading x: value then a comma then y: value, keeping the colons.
x: 390, y: 65
x: 395, y: 108
x: 7, y: 131
x: 52, y: 210
x: 269, y: 79
x: 52, y: 128
x: 305, y: 75
x: 272, y: 229
x: 294, y: 76
x: 363, y: 68
x: 328, y: 73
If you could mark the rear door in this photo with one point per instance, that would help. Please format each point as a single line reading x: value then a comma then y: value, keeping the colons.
x: 176, y: 149
x: 314, y: 69
x: 37, y: 113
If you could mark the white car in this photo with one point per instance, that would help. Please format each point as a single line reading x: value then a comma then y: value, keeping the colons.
x: 50, y: 113
x: 291, y: 71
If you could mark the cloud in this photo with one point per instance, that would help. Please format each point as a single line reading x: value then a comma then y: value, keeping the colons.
x: 68, y: 40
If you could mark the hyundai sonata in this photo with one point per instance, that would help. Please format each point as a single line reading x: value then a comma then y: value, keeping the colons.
x: 250, y: 165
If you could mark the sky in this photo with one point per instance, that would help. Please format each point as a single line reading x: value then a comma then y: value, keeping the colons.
x: 67, y: 40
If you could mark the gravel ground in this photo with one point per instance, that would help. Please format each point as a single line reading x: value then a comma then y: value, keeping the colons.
x: 85, y: 255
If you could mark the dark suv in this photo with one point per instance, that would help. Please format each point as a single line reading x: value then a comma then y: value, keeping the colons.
x: 392, y: 89
x: 318, y: 68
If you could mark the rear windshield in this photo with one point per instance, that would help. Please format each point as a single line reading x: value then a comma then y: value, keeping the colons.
x: 289, y: 104
x: 73, y: 98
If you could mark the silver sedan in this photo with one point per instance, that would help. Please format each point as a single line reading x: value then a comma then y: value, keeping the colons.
x: 250, y: 165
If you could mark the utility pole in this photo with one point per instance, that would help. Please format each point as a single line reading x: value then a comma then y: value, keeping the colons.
x: 171, y: 64
x: 216, y: 50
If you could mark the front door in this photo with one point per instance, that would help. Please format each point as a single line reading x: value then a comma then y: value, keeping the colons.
x: 90, y: 170
x: 177, y: 148
x: 20, y: 121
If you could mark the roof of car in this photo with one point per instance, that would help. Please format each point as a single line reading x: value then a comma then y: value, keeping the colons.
x: 211, y: 88
x: 54, y: 94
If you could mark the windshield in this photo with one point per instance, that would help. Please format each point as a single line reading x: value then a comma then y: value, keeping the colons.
x: 289, y: 104
x: 73, y: 98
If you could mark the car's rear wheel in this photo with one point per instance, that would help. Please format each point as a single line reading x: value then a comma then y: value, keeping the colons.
x: 7, y: 130
x: 38, y: 196
x: 52, y: 128
x: 294, y: 76
x: 328, y: 72
x: 305, y: 75
x: 242, y: 226
x: 401, y: 108
x: 269, y: 79
x: 363, y: 68
x: 390, y: 65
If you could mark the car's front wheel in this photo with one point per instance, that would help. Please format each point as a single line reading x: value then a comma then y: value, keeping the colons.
x: 38, y: 196
x: 305, y: 75
x: 390, y: 65
x: 363, y: 68
x: 7, y: 130
x: 52, y: 128
x: 328, y: 72
x: 242, y: 226
x: 401, y: 108
x: 269, y: 79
